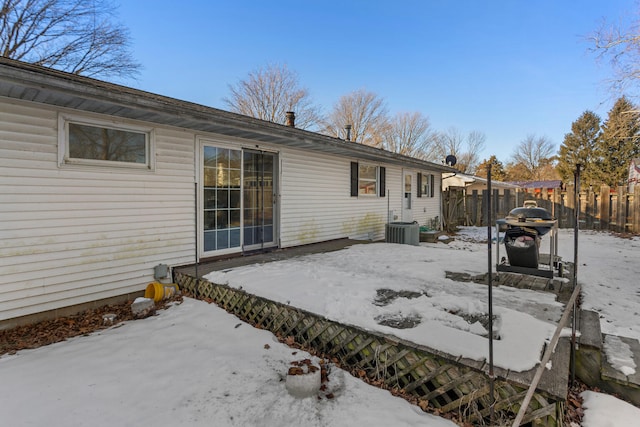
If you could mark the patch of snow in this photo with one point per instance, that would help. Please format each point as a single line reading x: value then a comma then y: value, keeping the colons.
x: 342, y: 286
x: 602, y: 410
x: 619, y: 355
x: 188, y: 366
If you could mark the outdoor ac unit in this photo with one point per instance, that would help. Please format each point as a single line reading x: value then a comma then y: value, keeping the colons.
x: 407, y: 233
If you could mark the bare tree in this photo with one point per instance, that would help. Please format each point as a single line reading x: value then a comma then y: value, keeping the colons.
x: 471, y: 156
x: 621, y: 46
x: 76, y: 36
x: 466, y: 149
x: 408, y: 134
x: 269, y: 93
x: 535, y: 157
x: 365, y: 112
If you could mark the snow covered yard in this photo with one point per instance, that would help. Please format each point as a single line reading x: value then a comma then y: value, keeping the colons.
x: 353, y: 285
x: 195, y: 364
x: 192, y: 365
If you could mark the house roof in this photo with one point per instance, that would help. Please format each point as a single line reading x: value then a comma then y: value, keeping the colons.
x: 461, y: 180
x: 20, y: 80
x: 554, y: 183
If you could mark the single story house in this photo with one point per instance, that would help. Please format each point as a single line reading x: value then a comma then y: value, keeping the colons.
x: 540, y: 189
x: 471, y: 182
x: 101, y: 183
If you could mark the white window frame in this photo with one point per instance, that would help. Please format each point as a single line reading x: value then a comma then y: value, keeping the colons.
x: 376, y: 180
x: 426, y: 185
x: 64, y: 159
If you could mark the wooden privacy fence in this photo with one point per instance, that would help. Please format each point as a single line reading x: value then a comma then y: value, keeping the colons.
x: 603, y: 208
x: 438, y: 380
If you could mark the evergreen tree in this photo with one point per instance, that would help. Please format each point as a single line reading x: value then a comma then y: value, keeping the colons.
x: 619, y: 143
x: 579, y: 147
x: 497, y: 169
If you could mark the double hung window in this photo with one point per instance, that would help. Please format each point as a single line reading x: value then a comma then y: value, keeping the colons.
x: 367, y: 180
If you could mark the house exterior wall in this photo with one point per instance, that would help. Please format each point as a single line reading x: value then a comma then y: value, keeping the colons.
x: 72, y: 234
x: 316, y: 204
x: 427, y: 209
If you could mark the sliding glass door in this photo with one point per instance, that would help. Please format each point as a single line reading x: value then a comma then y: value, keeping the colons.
x: 238, y: 207
x: 258, y: 196
x: 222, y: 202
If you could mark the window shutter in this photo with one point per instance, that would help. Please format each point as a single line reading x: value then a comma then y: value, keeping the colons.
x: 354, y: 179
x: 432, y: 189
x: 382, y: 181
x: 419, y: 184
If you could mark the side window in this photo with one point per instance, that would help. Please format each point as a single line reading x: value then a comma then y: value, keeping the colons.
x: 367, y: 180
x: 94, y: 143
x: 425, y: 185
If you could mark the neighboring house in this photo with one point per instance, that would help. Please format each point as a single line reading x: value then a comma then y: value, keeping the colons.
x: 540, y: 189
x: 634, y: 174
x: 470, y: 183
x: 101, y: 183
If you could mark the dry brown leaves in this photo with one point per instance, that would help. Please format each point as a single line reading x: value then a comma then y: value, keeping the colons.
x: 55, y: 330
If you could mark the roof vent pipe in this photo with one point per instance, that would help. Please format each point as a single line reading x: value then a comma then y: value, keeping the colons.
x: 348, y: 129
x: 291, y: 119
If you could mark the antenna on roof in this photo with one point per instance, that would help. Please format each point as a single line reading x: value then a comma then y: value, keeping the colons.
x: 451, y: 160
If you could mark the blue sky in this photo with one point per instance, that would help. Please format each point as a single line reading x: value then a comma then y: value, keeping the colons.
x: 506, y: 68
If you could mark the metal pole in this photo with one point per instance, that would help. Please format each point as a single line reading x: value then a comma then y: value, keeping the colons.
x: 576, y: 227
x: 389, y: 218
x: 195, y: 289
x: 490, y: 286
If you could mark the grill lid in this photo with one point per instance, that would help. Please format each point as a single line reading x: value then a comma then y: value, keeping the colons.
x: 525, y: 214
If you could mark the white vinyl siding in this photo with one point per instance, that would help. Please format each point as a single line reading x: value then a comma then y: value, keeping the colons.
x: 316, y: 203
x: 74, y: 235
x: 426, y: 209
x: 71, y: 234
x: 331, y: 213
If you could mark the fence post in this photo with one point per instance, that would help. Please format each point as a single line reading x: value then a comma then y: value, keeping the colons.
x: 485, y: 200
x: 622, y: 209
x: 474, y: 208
x: 605, y: 211
x: 591, y: 208
x: 636, y: 210
x: 506, y: 198
x: 569, y: 204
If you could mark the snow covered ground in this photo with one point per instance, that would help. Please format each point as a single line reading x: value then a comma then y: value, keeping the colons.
x: 195, y: 364
x: 192, y: 365
x: 344, y: 286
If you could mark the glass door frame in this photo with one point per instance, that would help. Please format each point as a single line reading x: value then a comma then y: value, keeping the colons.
x: 272, y: 200
x: 202, y: 202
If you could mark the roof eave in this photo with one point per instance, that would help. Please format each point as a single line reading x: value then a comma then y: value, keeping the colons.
x: 19, y: 80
